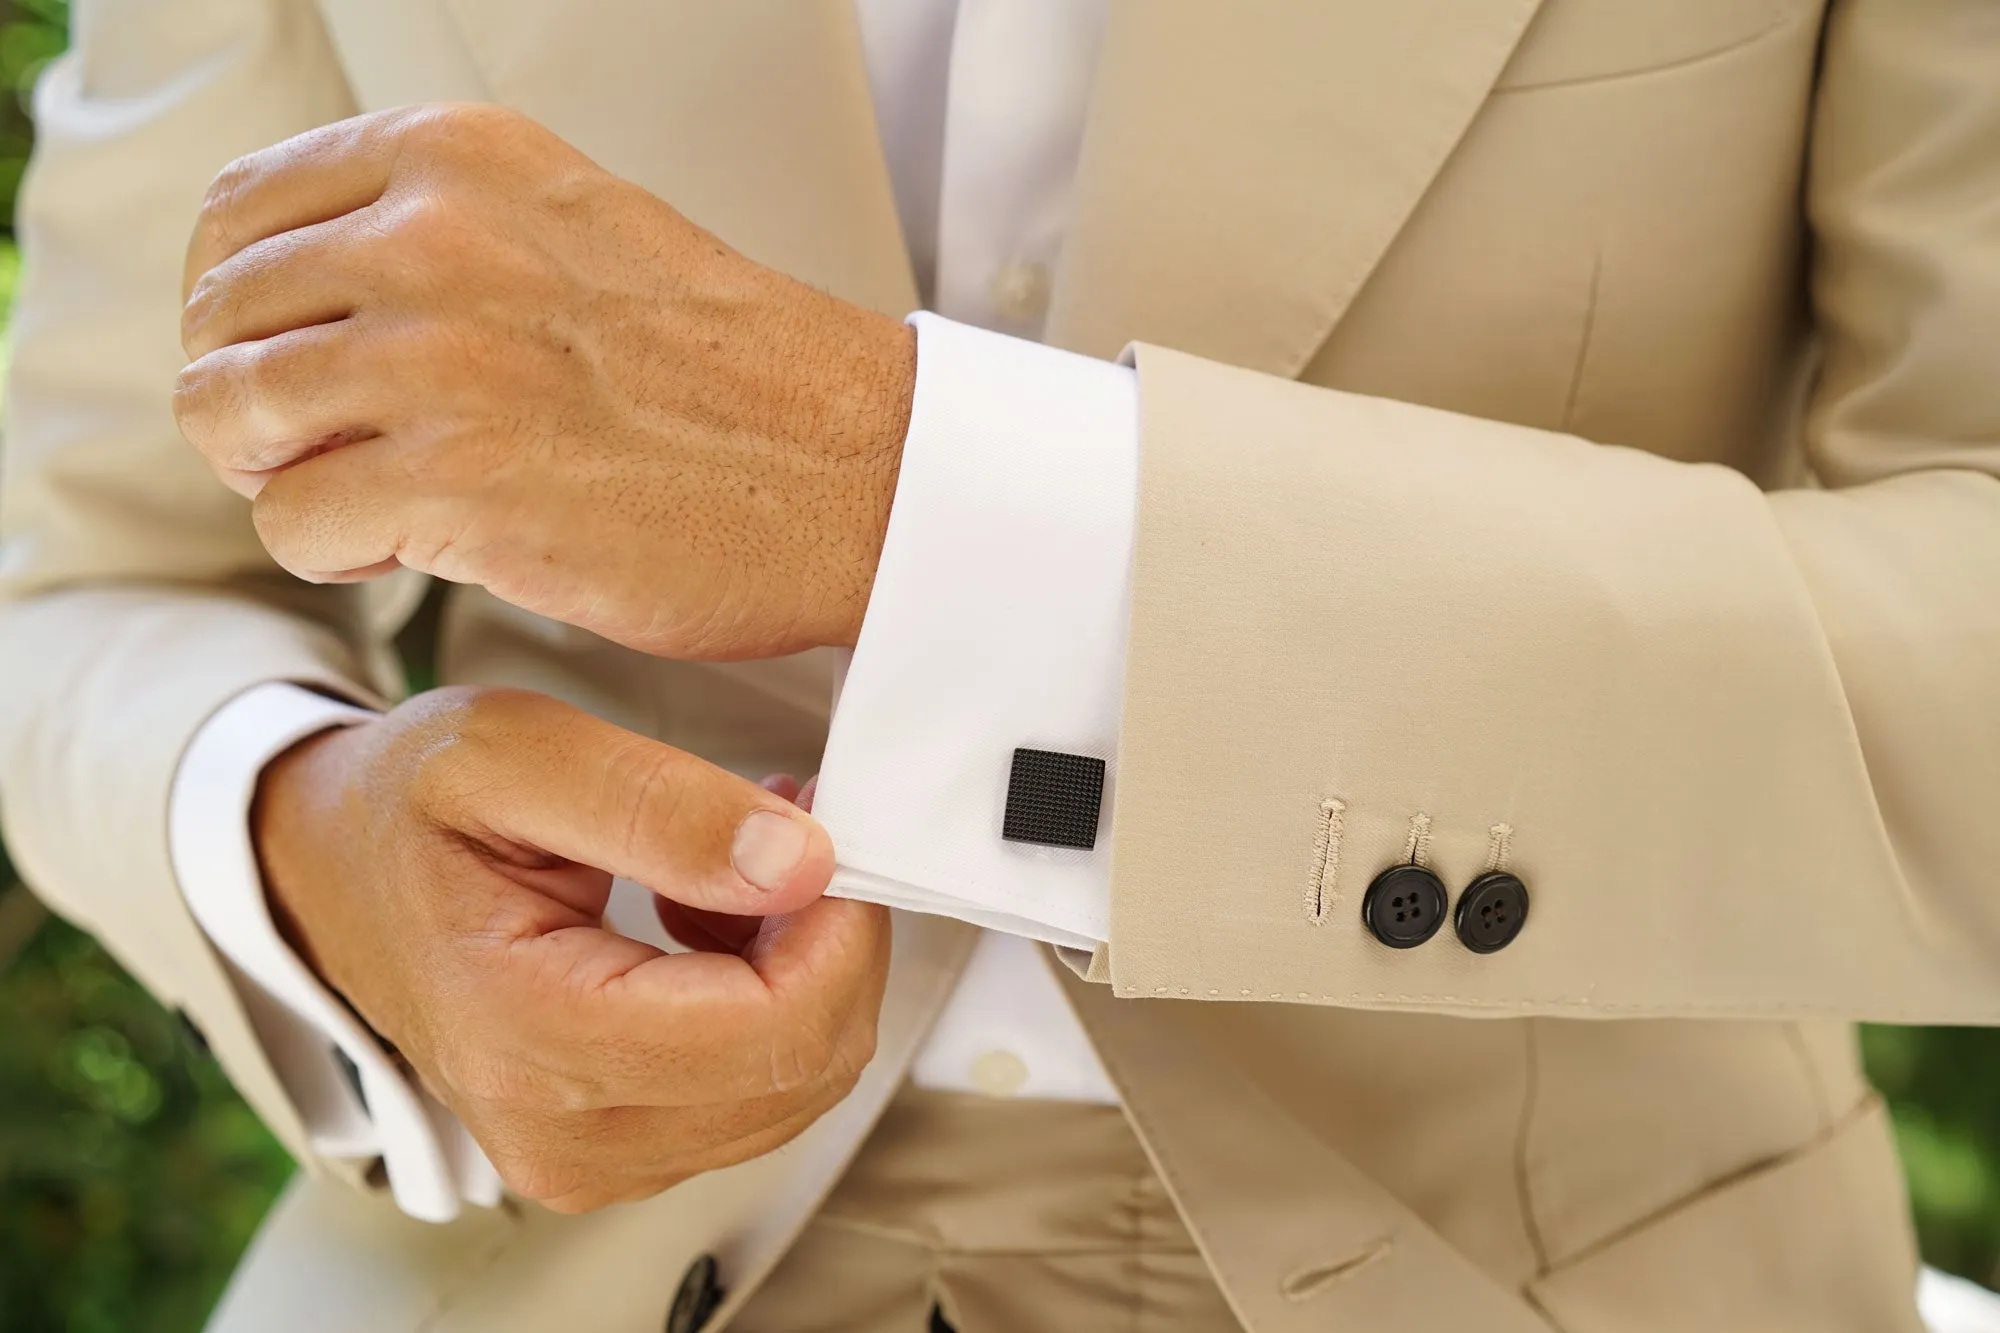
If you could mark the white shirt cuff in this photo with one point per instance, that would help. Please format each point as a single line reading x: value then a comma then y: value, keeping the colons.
x: 997, y: 622
x: 432, y: 1162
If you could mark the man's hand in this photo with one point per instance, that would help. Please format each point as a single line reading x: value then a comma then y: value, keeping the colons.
x: 441, y: 337
x: 446, y: 870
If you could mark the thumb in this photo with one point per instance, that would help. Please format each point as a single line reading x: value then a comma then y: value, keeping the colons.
x: 590, y: 792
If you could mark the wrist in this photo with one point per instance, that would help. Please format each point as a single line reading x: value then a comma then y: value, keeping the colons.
x: 292, y: 792
x: 870, y: 400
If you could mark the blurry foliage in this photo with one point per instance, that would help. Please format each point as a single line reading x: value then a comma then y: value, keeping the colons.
x: 1943, y: 1085
x: 131, y: 1175
x: 31, y: 34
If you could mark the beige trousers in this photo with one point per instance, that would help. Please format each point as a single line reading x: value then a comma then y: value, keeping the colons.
x: 1004, y: 1216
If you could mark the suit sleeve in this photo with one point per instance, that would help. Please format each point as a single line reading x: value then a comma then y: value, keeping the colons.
x: 1742, y: 748
x: 135, y: 598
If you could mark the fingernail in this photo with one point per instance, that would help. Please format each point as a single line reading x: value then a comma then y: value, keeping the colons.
x: 768, y: 847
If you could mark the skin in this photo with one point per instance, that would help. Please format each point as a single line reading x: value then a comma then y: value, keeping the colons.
x: 441, y: 338
x: 446, y: 870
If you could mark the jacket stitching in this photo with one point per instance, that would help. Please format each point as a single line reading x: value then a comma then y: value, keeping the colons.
x: 1581, y: 1004
x: 1322, y: 890
x: 1417, y: 851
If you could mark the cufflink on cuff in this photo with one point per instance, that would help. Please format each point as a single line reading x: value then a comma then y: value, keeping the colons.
x: 1053, y: 799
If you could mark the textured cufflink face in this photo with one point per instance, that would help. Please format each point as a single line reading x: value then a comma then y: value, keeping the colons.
x: 1053, y: 799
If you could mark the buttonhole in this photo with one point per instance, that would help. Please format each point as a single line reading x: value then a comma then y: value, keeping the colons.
x: 1310, y: 1281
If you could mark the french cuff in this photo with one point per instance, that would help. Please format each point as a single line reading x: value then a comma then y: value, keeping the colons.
x: 353, y: 1098
x: 973, y: 748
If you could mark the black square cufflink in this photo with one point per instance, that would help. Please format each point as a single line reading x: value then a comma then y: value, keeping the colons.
x: 1053, y: 799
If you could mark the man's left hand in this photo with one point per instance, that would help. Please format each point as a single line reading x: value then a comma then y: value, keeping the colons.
x: 440, y: 337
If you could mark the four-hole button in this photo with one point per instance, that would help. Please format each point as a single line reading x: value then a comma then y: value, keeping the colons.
x: 1404, y: 906
x: 1491, y: 911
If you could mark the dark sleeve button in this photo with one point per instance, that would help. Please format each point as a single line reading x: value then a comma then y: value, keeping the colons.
x: 699, y: 1294
x: 1491, y: 911
x: 1404, y: 906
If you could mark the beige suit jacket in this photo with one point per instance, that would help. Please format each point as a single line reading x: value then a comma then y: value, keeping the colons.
x: 1570, y: 440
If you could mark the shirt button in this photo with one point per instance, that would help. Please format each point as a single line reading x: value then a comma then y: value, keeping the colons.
x: 999, y: 1073
x: 1021, y: 291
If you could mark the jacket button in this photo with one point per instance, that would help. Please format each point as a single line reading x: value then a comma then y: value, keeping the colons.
x: 699, y: 1293
x: 1491, y: 911
x: 1404, y: 906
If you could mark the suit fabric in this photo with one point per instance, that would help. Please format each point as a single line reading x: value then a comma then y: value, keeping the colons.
x: 1569, y: 442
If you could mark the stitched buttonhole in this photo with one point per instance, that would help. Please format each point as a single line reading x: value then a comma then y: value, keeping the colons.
x: 1321, y: 893
x: 1417, y: 851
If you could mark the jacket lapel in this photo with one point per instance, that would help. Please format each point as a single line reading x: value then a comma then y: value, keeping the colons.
x: 1247, y: 164
x: 753, y: 117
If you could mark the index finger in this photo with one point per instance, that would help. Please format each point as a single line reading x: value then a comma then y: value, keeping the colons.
x: 312, y: 177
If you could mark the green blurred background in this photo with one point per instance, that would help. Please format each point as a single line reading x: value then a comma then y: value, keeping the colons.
x: 131, y: 1175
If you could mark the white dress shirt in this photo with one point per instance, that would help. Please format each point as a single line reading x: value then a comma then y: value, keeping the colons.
x: 997, y: 620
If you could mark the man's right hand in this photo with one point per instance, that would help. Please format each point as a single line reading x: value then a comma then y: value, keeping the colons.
x: 446, y: 868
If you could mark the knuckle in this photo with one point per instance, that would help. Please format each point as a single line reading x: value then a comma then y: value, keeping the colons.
x: 577, y: 1204
x: 801, y: 1056
x: 532, y: 1172
x: 219, y: 201
x: 856, y: 1051
x: 650, y: 794
x: 570, y: 1095
x: 262, y: 372
x: 212, y: 399
x: 461, y: 128
x: 195, y: 405
x: 462, y: 747
x: 501, y: 713
x: 462, y: 703
x: 420, y: 239
x: 759, y: 1138
x: 439, y: 727
x: 520, y: 1087
x: 423, y: 225
x: 283, y: 521
x: 487, y: 719
x: 207, y: 305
